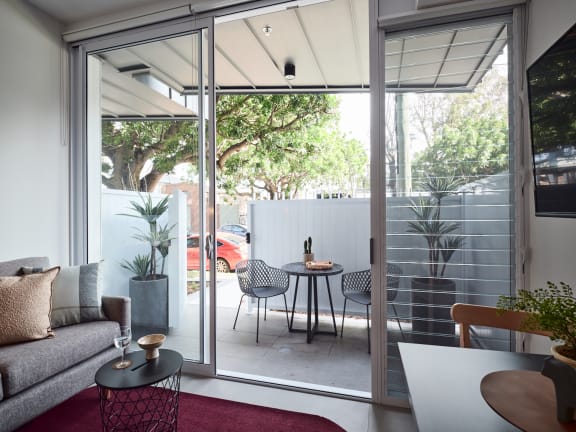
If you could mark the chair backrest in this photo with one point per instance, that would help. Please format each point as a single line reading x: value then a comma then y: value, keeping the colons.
x: 252, y: 273
x: 361, y: 281
x: 466, y: 315
x: 358, y: 281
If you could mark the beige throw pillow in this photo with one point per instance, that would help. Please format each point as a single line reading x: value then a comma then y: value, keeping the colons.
x: 25, y: 306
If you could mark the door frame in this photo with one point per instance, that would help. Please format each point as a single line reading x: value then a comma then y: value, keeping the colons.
x: 85, y: 177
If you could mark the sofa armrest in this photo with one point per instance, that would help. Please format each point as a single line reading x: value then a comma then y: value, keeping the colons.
x: 117, y: 309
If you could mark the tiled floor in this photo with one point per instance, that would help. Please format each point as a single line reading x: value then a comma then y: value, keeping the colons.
x: 351, y: 415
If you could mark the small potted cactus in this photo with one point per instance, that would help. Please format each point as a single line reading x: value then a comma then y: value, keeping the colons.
x: 308, y: 255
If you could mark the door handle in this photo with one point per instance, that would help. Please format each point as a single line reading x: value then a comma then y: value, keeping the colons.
x: 209, y: 247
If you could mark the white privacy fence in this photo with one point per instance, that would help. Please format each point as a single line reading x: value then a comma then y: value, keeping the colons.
x: 340, y: 231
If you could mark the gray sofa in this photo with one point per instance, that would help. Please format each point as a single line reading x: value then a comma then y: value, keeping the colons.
x: 40, y: 374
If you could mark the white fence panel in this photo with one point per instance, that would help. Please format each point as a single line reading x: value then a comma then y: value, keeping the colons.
x: 340, y: 231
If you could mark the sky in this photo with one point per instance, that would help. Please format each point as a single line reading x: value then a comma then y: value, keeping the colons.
x: 355, y: 116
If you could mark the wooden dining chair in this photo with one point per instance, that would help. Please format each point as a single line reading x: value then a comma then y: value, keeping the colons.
x: 466, y: 315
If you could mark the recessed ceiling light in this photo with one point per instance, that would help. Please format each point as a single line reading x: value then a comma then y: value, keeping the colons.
x: 267, y: 30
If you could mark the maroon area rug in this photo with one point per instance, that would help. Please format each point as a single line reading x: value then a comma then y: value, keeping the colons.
x: 196, y: 414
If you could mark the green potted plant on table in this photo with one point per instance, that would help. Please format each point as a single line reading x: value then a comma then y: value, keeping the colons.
x: 434, y: 289
x: 551, y: 309
x: 149, y: 286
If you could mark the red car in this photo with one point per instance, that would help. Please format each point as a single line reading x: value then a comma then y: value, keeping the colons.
x: 230, y: 250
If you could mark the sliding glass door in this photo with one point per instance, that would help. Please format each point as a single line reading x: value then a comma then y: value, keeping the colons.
x: 150, y: 201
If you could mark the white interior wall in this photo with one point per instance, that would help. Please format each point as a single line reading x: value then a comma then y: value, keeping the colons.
x: 553, y: 240
x: 33, y: 153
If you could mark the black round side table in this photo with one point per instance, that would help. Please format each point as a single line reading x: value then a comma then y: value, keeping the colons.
x: 142, y: 397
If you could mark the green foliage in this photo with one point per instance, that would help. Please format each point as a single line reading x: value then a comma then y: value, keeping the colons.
x: 472, y: 148
x: 269, y: 142
x: 128, y: 147
x: 282, y: 162
x: 428, y: 223
x: 552, y: 308
x: 157, y: 236
x: 139, y: 266
x: 468, y: 135
x: 275, y: 143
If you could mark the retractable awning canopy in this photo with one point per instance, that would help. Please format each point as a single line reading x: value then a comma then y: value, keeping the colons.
x: 327, y: 42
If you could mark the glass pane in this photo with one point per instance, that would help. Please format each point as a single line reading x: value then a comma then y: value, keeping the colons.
x: 450, y: 215
x: 145, y: 114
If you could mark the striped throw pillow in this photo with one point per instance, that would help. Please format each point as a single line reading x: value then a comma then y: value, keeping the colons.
x: 76, y: 294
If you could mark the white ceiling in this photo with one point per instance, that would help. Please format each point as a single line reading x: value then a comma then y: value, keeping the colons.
x: 73, y: 11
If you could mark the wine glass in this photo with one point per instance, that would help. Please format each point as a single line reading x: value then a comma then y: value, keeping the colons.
x: 122, y: 341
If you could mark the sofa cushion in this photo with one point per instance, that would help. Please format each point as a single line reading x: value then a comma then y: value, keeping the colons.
x: 25, y: 306
x: 11, y: 268
x: 76, y: 294
x: 23, y: 365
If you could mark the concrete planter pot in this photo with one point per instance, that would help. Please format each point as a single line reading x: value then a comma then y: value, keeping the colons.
x: 149, y: 305
x: 432, y: 299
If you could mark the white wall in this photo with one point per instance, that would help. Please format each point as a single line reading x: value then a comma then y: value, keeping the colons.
x: 553, y: 240
x: 33, y: 158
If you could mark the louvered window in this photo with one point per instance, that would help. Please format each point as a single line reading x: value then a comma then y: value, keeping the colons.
x: 450, y: 215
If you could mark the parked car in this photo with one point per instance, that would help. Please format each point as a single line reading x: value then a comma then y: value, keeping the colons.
x: 230, y: 250
x: 239, y: 230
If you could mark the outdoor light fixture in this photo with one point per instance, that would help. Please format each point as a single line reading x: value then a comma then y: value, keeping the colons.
x: 289, y: 71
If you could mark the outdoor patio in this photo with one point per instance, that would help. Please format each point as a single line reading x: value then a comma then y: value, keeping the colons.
x: 329, y: 363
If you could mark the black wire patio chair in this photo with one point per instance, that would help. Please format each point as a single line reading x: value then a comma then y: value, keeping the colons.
x: 357, y: 287
x: 259, y: 280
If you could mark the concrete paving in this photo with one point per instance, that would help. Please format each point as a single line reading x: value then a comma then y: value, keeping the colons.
x: 333, y: 363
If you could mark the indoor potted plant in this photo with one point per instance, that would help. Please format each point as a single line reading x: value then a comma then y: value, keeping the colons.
x: 149, y: 285
x: 552, y: 309
x: 435, y: 289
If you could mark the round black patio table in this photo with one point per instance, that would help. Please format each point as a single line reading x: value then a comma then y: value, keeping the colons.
x: 299, y: 269
x: 142, y: 397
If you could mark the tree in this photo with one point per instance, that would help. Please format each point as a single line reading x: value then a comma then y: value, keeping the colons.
x: 472, y: 148
x: 472, y: 140
x: 284, y: 162
x: 138, y: 153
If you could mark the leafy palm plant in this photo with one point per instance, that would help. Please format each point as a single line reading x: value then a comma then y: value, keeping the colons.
x: 428, y: 223
x: 157, y: 236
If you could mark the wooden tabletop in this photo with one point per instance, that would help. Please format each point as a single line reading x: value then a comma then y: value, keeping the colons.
x: 526, y: 399
x: 444, y: 385
x: 299, y: 269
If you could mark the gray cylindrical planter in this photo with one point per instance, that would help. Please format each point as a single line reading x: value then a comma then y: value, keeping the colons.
x: 149, y: 305
x: 431, y: 302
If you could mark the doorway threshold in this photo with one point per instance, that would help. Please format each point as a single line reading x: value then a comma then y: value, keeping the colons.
x: 298, y: 386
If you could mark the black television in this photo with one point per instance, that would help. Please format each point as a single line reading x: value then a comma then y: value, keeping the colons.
x: 552, y: 104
